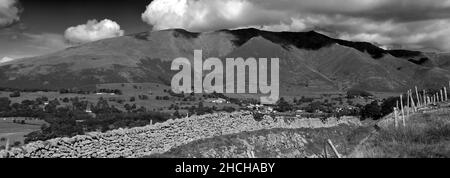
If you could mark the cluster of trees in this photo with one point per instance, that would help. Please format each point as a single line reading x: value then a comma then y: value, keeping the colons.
x: 283, y: 106
x: 162, y: 98
x: 7, y: 89
x: 200, y: 109
x: 353, y: 93
x: 88, y: 91
x: 171, y: 93
x: 103, y: 90
x: 74, y: 91
x: 374, y: 110
x: 302, y: 100
x: 73, y: 120
x: 15, y: 94
x: 143, y: 97
x: 26, y: 108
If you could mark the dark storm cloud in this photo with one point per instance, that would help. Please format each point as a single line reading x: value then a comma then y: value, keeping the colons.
x: 397, y: 10
x: 409, y: 23
x: 9, y: 12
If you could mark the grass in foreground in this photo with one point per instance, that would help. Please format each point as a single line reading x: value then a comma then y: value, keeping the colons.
x: 425, y: 136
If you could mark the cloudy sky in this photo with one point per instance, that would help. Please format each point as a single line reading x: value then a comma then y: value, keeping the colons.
x: 35, y: 27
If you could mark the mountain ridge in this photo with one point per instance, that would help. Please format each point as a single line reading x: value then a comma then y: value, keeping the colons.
x: 310, y: 59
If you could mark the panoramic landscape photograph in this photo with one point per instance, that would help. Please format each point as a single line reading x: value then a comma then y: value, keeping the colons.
x: 224, y: 79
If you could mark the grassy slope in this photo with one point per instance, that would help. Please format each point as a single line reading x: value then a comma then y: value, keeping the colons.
x: 425, y: 136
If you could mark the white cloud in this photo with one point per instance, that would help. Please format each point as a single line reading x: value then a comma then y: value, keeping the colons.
x: 411, y: 24
x: 6, y: 59
x: 206, y: 15
x: 93, y: 31
x: 9, y: 12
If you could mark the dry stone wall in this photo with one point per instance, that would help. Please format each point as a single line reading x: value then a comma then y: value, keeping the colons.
x: 160, y: 137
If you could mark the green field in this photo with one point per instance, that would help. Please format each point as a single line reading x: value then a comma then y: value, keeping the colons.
x: 129, y: 90
x: 152, y: 90
x: 15, y: 131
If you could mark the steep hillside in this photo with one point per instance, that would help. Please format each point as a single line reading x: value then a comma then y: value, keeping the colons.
x: 308, y: 60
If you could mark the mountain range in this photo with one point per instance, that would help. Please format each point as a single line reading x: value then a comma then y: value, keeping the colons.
x: 308, y: 60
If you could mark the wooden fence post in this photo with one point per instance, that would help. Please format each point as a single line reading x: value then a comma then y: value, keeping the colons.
x: 442, y: 95
x: 413, y: 104
x: 7, y: 148
x: 445, y: 94
x: 418, y: 98
x: 448, y: 85
x: 334, y: 148
x: 401, y: 105
x: 395, y: 118
x: 425, y: 98
x: 407, y: 99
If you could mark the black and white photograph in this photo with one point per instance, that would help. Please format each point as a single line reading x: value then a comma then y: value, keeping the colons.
x: 264, y: 79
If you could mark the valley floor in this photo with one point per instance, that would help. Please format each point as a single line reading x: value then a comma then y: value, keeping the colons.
x: 239, y: 135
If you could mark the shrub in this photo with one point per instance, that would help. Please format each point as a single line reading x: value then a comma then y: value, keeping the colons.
x: 372, y: 110
x: 4, y: 104
x: 283, y: 106
x: 258, y: 116
x: 15, y: 94
x: 388, y: 105
x: 17, y: 143
x: 229, y: 109
x: 352, y: 93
